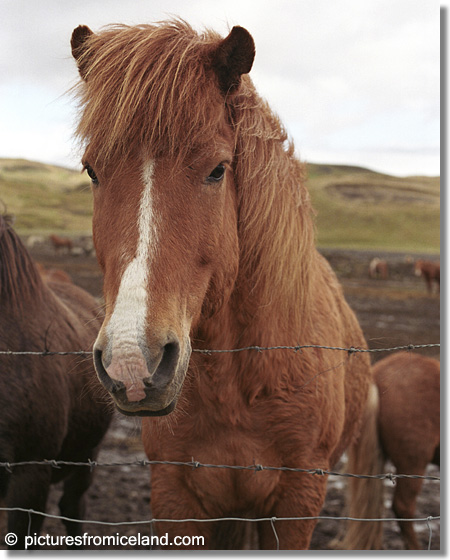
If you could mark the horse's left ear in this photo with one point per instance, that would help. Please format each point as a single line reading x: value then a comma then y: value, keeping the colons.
x: 78, y: 44
x: 233, y: 57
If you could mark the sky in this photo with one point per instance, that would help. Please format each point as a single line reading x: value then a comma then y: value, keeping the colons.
x: 354, y: 82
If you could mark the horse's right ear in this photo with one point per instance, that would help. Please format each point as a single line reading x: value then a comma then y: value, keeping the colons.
x: 78, y: 44
x: 233, y: 57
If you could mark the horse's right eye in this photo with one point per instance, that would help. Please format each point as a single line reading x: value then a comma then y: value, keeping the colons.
x: 91, y: 173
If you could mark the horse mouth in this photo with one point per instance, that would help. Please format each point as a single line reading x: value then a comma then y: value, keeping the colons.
x: 145, y: 412
x: 148, y: 406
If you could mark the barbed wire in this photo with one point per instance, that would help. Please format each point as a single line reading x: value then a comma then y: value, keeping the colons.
x: 297, y: 348
x: 272, y: 520
x: 215, y: 519
x: 9, y: 466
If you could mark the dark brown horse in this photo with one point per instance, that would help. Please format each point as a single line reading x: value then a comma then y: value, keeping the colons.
x: 430, y: 272
x: 203, y: 228
x: 402, y: 425
x: 51, y: 407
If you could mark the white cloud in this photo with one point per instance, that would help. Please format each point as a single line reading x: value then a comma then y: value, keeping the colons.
x: 364, y: 75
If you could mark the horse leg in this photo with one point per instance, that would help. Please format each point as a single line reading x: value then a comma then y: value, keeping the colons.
x: 72, y: 503
x: 28, y: 489
x: 170, y: 499
x: 404, y: 506
x: 302, y: 496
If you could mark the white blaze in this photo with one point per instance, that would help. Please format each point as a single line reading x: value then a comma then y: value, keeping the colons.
x: 127, y: 324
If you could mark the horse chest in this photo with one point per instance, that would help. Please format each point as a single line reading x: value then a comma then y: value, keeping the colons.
x: 234, y: 489
x: 230, y: 492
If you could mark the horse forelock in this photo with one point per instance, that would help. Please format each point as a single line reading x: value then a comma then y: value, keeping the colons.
x: 20, y: 281
x: 148, y: 88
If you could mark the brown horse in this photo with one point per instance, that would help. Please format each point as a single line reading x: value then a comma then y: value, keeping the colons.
x: 378, y: 269
x: 52, y: 407
x: 61, y: 243
x: 402, y: 425
x: 431, y: 272
x: 203, y: 228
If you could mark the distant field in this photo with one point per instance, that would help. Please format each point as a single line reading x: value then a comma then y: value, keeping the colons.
x: 361, y: 209
x: 356, y: 208
x: 45, y: 198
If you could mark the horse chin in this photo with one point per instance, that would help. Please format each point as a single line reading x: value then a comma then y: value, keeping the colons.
x: 146, y: 412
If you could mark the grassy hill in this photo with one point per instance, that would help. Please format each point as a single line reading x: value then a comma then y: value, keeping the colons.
x: 45, y: 198
x: 356, y: 208
x: 362, y: 209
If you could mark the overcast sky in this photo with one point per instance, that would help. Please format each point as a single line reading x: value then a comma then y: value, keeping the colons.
x: 354, y: 81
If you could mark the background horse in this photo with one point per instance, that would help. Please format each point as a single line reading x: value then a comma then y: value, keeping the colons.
x: 403, y: 425
x: 52, y: 407
x: 61, y: 243
x: 203, y: 228
x: 431, y: 272
x: 378, y: 269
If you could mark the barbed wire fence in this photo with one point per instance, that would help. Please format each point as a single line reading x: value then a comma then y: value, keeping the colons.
x: 193, y: 464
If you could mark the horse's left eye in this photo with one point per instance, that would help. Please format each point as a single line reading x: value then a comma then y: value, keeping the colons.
x: 91, y: 173
x: 216, y: 174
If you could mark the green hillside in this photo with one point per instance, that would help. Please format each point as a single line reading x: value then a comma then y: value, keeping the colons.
x: 45, y: 198
x: 361, y: 209
x: 356, y: 208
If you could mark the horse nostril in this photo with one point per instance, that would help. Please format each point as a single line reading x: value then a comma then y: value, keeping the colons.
x: 166, y: 367
x: 111, y: 385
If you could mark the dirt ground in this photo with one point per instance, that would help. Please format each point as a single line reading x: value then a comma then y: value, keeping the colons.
x: 392, y: 312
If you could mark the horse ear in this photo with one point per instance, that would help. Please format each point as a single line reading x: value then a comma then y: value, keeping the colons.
x: 78, y: 44
x: 233, y: 57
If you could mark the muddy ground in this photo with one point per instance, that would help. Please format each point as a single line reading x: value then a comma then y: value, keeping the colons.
x: 392, y: 312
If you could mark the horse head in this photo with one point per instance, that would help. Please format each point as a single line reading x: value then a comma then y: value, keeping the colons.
x: 160, y: 154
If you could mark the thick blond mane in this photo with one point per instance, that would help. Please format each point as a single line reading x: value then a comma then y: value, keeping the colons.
x: 151, y: 87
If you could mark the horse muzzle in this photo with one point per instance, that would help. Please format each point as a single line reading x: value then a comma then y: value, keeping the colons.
x: 140, y: 380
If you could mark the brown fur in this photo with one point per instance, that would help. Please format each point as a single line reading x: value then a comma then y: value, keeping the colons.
x: 52, y: 407
x: 430, y: 272
x: 236, y: 261
x: 61, y: 243
x: 378, y: 269
x: 404, y: 428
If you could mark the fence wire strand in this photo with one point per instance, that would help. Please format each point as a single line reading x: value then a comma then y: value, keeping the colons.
x: 196, y: 465
x: 216, y: 519
x: 208, y: 352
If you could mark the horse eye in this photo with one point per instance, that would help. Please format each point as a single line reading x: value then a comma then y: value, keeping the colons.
x: 216, y: 174
x: 91, y: 173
